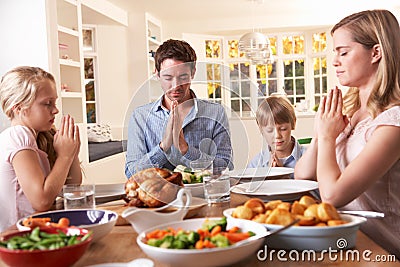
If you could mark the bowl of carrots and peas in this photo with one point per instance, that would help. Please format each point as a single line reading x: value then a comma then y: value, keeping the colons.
x: 202, y: 242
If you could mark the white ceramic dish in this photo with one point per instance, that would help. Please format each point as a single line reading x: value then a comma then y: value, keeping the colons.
x: 142, y: 219
x: 312, y: 237
x: 284, y: 189
x: 260, y: 172
x: 109, y: 192
x: 100, y: 222
x: 205, y: 257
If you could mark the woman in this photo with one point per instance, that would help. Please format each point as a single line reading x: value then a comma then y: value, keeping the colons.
x: 362, y: 129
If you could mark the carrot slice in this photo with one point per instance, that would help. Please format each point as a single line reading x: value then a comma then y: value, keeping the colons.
x: 208, y: 244
x: 234, y: 229
x: 216, y: 230
x: 236, y: 237
x: 199, y: 244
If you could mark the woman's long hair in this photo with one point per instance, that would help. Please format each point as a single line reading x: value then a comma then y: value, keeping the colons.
x: 369, y: 28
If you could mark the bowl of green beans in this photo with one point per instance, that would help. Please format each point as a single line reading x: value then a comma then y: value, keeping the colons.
x: 44, y: 247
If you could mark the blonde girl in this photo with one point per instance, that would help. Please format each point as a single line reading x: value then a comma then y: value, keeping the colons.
x: 35, y: 159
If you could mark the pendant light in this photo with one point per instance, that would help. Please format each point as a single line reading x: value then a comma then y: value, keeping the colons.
x: 256, y: 47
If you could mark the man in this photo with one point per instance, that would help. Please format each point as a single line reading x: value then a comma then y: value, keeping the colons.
x: 177, y: 128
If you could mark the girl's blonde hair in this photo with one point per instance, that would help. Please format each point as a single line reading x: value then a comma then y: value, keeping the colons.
x: 18, y: 88
x: 369, y: 28
x: 275, y: 110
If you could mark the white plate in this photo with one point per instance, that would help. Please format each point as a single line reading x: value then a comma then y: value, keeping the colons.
x: 109, y: 192
x: 260, y: 172
x: 284, y: 189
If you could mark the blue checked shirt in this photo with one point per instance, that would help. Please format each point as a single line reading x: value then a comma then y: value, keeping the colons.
x: 205, y: 126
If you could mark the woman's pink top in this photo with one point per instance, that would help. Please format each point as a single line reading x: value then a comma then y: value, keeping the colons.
x: 13, y: 203
x: 384, y: 194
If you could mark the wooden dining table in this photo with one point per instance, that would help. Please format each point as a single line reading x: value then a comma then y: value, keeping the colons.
x: 120, y: 246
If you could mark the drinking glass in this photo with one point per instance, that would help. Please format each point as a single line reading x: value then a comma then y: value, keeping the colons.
x: 79, y: 196
x: 217, y: 186
x: 201, y: 165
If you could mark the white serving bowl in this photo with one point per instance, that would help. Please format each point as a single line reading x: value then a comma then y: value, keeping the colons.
x: 312, y: 237
x: 99, y: 221
x: 205, y: 257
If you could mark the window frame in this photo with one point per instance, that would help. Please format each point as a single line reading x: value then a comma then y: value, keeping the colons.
x: 279, y: 58
x: 92, y: 54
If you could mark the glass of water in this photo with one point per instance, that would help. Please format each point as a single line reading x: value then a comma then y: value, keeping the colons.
x: 79, y: 196
x: 217, y: 186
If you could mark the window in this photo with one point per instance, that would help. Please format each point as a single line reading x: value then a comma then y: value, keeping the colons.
x: 319, y: 66
x: 293, y: 67
x: 249, y: 84
x: 266, y: 75
x: 214, y: 70
x: 90, y: 67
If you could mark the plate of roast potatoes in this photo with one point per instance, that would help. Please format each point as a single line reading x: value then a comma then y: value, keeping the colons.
x: 319, y: 225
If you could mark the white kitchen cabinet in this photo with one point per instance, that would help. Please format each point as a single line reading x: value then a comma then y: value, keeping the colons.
x: 154, y: 40
x: 69, y: 64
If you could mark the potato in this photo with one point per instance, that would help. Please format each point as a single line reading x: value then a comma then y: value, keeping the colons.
x: 297, y: 208
x: 242, y: 212
x: 306, y: 221
x: 280, y: 216
x: 272, y: 204
x: 260, y: 218
x: 284, y: 205
x: 312, y: 211
x: 335, y: 222
x: 256, y: 205
x: 327, y: 212
x: 307, y: 201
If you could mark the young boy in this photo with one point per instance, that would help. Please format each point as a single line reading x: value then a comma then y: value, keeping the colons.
x: 276, y: 119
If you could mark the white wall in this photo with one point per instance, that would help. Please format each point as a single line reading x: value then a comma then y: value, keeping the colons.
x: 313, y: 14
x: 24, y: 38
x: 113, y: 76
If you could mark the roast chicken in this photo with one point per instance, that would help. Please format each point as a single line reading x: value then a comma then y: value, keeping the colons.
x: 153, y: 187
